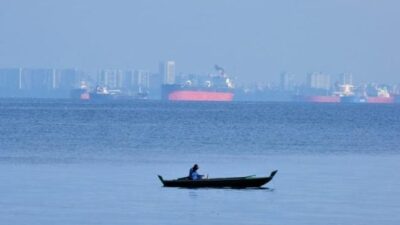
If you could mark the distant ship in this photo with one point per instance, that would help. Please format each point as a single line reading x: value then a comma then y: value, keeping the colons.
x: 352, y: 99
x: 183, y: 93
x: 380, y: 100
x: 101, y: 93
x: 345, y: 92
x: 382, y: 97
x: 81, y: 93
x: 346, y: 95
x: 218, y: 87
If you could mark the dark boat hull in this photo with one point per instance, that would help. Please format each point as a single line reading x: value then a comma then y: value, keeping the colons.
x: 233, y: 182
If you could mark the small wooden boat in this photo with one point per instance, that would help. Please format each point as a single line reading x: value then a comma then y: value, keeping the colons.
x: 230, y: 182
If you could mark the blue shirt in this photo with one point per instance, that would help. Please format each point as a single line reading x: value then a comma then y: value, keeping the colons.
x: 193, y: 175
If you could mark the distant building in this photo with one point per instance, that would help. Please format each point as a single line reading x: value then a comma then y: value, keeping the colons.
x: 137, y: 80
x: 155, y: 81
x: 129, y: 80
x: 286, y: 82
x: 10, y: 79
x: 66, y: 79
x: 36, y: 79
x: 346, y: 78
x: 319, y: 81
x: 396, y: 89
x: 167, y: 71
x: 143, y: 79
x: 111, y: 78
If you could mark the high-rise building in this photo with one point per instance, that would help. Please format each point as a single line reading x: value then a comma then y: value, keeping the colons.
x: 143, y: 79
x: 286, y: 82
x: 136, y: 80
x: 111, y: 78
x: 36, y: 79
x: 129, y: 82
x: 346, y: 78
x: 167, y: 71
x: 65, y: 79
x: 319, y: 81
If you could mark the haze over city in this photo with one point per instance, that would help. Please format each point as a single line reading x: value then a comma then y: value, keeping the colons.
x: 253, y: 40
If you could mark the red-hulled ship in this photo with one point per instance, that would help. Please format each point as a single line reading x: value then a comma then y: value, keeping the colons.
x: 216, y: 88
x: 184, y: 93
x: 382, y: 97
x: 380, y: 100
x: 81, y: 93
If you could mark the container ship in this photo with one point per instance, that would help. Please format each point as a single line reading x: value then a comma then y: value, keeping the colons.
x: 218, y: 87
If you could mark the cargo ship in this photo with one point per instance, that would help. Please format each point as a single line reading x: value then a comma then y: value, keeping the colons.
x: 217, y: 88
x: 348, y: 95
x: 101, y: 93
x: 382, y: 97
x: 352, y: 99
x: 374, y: 95
x: 318, y: 95
x: 380, y: 100
x: 183, y: 93
x: 81, y: 93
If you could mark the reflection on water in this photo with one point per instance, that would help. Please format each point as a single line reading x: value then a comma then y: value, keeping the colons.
x: 193, y: 194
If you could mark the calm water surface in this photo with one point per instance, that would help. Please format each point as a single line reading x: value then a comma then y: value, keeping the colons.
x: 64, y: 162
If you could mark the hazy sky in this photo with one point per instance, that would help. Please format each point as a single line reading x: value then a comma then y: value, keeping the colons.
x: 254, y: 40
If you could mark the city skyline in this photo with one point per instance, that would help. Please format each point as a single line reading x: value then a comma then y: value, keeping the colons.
x: 253, y: 41
x: 131, y: 81
x: 169, y: 75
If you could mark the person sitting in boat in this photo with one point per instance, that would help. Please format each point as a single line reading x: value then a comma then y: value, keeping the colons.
x: 193, y: 175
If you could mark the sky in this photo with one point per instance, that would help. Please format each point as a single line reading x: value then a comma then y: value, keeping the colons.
x: 254, y: 40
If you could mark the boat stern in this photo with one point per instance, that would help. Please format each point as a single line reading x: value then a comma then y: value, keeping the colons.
x: 273, y: 173
x: 161, y: 179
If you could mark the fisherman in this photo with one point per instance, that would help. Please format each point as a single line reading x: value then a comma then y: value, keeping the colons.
x: 193, y: 175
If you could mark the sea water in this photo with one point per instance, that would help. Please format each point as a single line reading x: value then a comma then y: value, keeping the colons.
x: 67, y: 162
